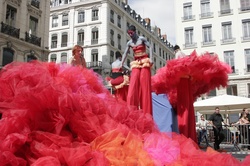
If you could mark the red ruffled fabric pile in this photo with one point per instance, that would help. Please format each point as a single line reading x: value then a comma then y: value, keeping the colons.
x: 206, y: 71
x: 62, y: 115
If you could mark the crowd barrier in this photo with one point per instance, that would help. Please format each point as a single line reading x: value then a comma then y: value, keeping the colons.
x: 236, y: 135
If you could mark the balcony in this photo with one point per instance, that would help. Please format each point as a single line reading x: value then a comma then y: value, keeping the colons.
x: 206, y: 15
x: 225, y: 12
x: 190, y: 45
x: 94, y: 18
x: 188, y: 18
x: 35, y: 3
x: 94, y: 41
x: 208, y: 43
x: 228, y: 41
x: 96, y: 64
x: 32, y: 39
x: 9, y: 30
x: 244, y: 9
x: 245, y: 39
x: 63, y: 44
x: 81, y: 43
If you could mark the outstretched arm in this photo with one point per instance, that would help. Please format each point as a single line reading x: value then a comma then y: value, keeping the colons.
x: 150, y: 49
x: 124, y: 56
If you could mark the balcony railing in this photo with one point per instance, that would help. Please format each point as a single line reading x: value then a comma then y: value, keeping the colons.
x: 35, y: 3
x: 81, y: 43
x: 94, y: 18
x: 190, y: 45
x: 32, y: 39
x: 208, y: 43
x: 94, y: 41
x: 9, y: 30
x: 63, y: 44
x: 96, y: 64
x: 189, y: 17
x: 206, y: 15
x: 227, y: 41
x: 226, y: 11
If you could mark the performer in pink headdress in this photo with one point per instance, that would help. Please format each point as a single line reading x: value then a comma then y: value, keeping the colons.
x: 186, y: 78
x: 139, y: 93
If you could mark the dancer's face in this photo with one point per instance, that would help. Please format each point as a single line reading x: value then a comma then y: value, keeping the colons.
x: 131, y: 33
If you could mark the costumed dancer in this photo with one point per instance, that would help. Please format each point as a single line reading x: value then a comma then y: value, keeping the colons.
x: 77, y: 58
x: 184, y: 79
x: 139, y: 92
x: 119, y: 79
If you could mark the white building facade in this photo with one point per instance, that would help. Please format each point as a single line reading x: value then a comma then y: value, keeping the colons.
x: 100, y: 26
x: 24, y: 30
x: 219, y: 27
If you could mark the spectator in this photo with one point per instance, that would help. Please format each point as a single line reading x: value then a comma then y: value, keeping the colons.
x: 178, y: 52
x: 77, y: 58
x: 216, y: 121
x: 202, y: 129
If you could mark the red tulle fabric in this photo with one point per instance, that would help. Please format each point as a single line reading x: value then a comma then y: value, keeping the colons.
x: 206, y: 71
x: 63, y: 115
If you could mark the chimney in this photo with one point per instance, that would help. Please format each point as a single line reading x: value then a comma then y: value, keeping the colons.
x: 164, y: 37
x: 147, y: 20
x: 125, y: 1
x: 159, y: 31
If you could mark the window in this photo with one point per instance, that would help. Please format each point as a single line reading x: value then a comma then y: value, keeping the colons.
x: 54, y: 21
x: 54, y: 41
x: 111, y: 59
x: 226, y: 30
x: 112, y: 16
x: 81, y: 16
x: 245, y: 5
x: 11, y: 16
x: 248, y: 86
x: 229, y: 59
x: 247, y: 56
x: 119, y: 41
x: 207, y: 33
x: 65, y: 19
x: 33, y: 25
x: 80, y: 37
x: 8, y: 56
x: 212, y: 93
x: 160, y: 52
x: 95, y: 14
x: 154, y: 47
x: 53, y: 58
x: 205, y: 8
x: 225, y: 7
x: 64, y: 58
x: 188, y: 36
x: 95, y: 36
x: 246, y: 28
x: 187, y: 10
x: 94, y: 57
x: 119, y: 21
x: 64, y: 39
x: 112, y: 37
x: 232, y: 90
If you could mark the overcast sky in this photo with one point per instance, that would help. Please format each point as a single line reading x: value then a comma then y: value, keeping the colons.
x: 161, y: 14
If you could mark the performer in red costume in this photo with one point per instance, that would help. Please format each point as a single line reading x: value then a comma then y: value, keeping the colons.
x: 139, y: 93
x: 119, y: 80
x: 186, y: 78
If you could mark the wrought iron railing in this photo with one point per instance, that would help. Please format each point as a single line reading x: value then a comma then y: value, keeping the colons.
x: 32, y: 39
x: 10, y: 30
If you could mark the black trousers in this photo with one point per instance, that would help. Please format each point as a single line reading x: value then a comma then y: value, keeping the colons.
x: 218, y: 137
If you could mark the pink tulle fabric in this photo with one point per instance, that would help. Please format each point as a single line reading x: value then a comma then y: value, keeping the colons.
x: 206, y: 71
x: 62, y: 115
